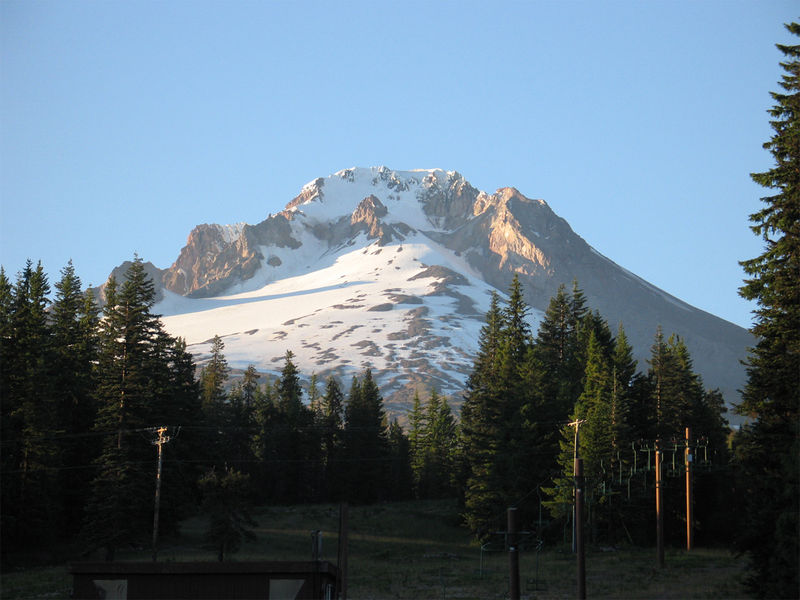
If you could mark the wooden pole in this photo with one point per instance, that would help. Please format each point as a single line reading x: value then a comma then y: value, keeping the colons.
x: 581, y: 554
x: 513, y: 555
x: 160, y: 443
x: 659, y: 509
x: 577, y: 424
x: 689, y: 515
x: 342, y: 559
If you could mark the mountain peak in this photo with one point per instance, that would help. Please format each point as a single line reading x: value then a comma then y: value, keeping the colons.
x: 394, y: 269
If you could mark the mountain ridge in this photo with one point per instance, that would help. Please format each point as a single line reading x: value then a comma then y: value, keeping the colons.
x: 421, y: 251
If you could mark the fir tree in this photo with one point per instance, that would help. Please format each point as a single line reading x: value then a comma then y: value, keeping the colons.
x: 624, y: 372
x: 213, y: 378
x: 556, y: 359
x: 677, y: 390
x: 313, y: 393
x: 179, y: 407
x: 593, y: 415
x: 768, y: 448
x: 30, y: 489
x: 216, y: 410
x: 482, y: 429
x: 140, y: 371
x: 242, y: 402
x: 288, y: 389
x: 330, y: 420
x: 7, y: 426
x: 264, y: 444
x: 400, y: 477
x: 366, y: 447
x: 439, y: 448
x: 294, y: 437
x: 225, y: 501
x: 498, y: 449
x: 75, y: 319
x: 416, y: 438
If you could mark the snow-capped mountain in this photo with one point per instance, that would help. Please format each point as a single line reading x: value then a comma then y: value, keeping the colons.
x: 394, y: 270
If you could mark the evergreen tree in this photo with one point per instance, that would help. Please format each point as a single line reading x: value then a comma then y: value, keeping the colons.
x: 30, y: 487
x: 288, y: 389
x: 593, y: 415
x: 75, y: 319
x: 264, y: 445
x: 439, y: 448
x: 556, y: 358
x: 366, y: 447
x: 330, y: 421
x: 677, y: 389
x: 594, y: 406
x: 140, y: 371
x: 624, y: 373
x: 6, y: 339
x: 179, y: 406
x: 297, y: 444
x: 482, y: 429
x: 225, y: 501
x: 242, y: 399
x: 115, y: 513
x: 313, y: 394
x: 517, y: 332
x: 213, y: 378
x: 7, y: 426
x: 416, y: 439
x: 500, y: 454
x: 555, y: 373
x: 400, y: 477
x: 769, y: 447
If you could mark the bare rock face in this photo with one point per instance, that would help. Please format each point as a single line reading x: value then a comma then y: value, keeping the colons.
x: 311, y: 191
x: 216, y: 257
x: 367, y: 217
x: 369, y: 211
x: 450, y: 205
x: 213, y: 255
x: 513, y: 234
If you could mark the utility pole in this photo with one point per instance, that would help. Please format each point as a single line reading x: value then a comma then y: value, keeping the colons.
x: 162, y: 439
x: 577, y: 425
x: 513, y: 554
x: 689, y: 516
x: 659, y: 509
x: 341, y: 563
x: 578, y: 467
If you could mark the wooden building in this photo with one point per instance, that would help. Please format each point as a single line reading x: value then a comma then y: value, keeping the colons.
x: 201, y: 581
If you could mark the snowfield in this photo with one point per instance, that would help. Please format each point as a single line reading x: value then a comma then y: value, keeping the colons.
x: 408, y: 307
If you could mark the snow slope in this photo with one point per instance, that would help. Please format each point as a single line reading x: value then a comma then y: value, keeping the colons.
x: 407, y: 307
x: 393, y: 270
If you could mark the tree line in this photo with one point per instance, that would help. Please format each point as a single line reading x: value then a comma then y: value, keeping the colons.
x: 84, y: 390
x: 527, y: 394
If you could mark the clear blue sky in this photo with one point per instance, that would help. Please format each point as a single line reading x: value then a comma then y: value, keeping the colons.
x: 124, y: 124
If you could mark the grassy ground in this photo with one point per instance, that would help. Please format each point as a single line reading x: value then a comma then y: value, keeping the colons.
x: 417, y: 550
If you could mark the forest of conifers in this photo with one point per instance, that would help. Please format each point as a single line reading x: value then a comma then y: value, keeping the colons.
x: 84, y: 390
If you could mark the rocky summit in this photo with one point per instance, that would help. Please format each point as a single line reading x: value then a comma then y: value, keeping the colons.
x: 393, y: 270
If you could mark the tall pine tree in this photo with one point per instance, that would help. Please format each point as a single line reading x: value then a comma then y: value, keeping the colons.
x: 769, y: 447
x: 75, y: 319
x: 31, y: 455
x: 366, y: 444
x: 140, y: 371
